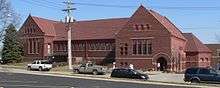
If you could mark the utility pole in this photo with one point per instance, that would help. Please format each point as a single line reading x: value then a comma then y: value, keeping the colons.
x: 69, y: 19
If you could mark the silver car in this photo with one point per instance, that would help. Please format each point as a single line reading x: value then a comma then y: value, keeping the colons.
x: 40, y: 65
x: 90, y: 68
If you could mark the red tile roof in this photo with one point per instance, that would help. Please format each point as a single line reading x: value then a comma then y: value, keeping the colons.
x: 168, y: 25
x: 95, y: 29
x: 46, y: 25
x: 98, y: 29
x: 193, y: 44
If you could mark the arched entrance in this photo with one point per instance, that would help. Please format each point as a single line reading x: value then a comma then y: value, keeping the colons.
x: 161, y: 64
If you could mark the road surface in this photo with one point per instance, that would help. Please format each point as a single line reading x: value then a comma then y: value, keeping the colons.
x: 18, y: 80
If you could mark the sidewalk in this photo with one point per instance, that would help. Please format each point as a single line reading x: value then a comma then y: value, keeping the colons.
x: 155, y: 77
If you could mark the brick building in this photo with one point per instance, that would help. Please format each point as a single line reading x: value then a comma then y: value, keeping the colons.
x: 215, y: 60
x: 145, y: 40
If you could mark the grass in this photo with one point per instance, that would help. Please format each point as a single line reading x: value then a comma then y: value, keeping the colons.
x: 61, y: 69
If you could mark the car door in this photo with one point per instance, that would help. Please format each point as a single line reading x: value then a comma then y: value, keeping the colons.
x: 216, y: 75
x: 33, y: 65
x: 206, y: 75
x: 123, y: 73
x: 82, y: 68
x: 89, y: 68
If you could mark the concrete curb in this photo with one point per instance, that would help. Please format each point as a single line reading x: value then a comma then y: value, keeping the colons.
x: 92, y: 77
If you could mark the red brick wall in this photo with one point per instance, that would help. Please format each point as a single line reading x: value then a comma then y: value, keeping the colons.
x: 157, y: 34
x: 28, y: 31
x: 144, y: 64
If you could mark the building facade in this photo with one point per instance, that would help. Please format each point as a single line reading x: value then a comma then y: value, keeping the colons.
x: 146, y: 40
x: 215, y: 60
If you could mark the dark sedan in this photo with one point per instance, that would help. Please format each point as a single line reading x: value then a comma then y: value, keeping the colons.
x: 199, y: 74
x: 128, y: 73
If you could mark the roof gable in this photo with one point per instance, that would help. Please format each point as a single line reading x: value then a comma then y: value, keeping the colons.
x: 142, y: 12
x: 168, y: 24
x: 193, y: 44
x: 28, y: 22
x: 46, y: 26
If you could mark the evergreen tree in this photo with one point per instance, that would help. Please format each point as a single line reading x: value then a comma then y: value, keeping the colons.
x: 12, y: 51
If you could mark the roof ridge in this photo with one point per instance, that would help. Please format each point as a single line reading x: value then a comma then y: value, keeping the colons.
x: 44, y: 19
x: 103, y: 19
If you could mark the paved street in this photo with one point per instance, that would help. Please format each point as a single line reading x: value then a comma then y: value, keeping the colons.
x: 17, y: 80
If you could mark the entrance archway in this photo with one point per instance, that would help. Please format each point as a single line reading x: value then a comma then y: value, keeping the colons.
x: 161, y: 64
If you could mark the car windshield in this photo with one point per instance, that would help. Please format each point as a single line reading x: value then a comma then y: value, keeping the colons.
x: 45, y: 62
x: 137, y: 71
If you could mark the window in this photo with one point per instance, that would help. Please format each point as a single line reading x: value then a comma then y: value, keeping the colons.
x: 108, y: 47
x: 92, y: 46
x: 38, y: 47
x: 135, y: 48
x: 34, y: 46
x: 145, y: 48
x: 191, y: 71
x: 204, y: 71
x: 121, y: 50
x: 148, y: 26
x: 142, y: 46
x: 126, y: 63
x: 38, y: 62
x: 121, y: 63
x: 30, y: 47
x: 136, y: 27
x: 207, y: 59
x: 34, y: 62
x: 126, y: 49
x: 139, y: 48
x: 149, y: 48
x: 142, y: 27
x: 201, y: 59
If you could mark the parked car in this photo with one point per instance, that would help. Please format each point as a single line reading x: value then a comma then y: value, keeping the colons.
x: 40, y: 65
x: 90, y: 68
x: 198, y: 74
x: 128, y: 73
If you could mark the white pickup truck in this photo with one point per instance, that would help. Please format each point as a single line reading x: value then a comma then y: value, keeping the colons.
x: 40, y: 65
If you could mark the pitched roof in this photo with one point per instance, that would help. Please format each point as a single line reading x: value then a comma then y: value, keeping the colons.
x: 46, y: 25
x: 193, y: 44
x: 94, y: 29
x: 168, y: 25
x: 213, y: 47
x: 98, y: 29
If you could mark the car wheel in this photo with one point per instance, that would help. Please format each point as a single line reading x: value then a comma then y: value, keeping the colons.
x: 95, y: 72
x: 28, y: 68
x: 194, y: 81
x: 76, y: 71
x: 40, y: 69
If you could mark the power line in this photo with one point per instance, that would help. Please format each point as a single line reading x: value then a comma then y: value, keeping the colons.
x: 105, y: 5
x: 38, y: 4
x: 49, y: 3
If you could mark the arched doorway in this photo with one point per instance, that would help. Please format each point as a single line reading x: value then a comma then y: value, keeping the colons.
x: 161, y: 64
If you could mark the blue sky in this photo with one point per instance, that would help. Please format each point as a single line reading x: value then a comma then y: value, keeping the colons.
x: 201, y: 17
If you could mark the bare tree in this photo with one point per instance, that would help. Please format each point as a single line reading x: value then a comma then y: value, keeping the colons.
x: 7, y: 16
